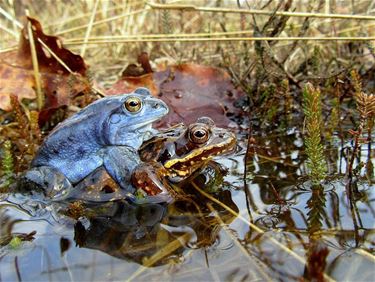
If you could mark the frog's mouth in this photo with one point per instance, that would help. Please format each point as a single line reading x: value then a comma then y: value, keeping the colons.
x: 183, y: 166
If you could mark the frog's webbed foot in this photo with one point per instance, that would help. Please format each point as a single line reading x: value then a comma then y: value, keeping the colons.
x: 47, y: 180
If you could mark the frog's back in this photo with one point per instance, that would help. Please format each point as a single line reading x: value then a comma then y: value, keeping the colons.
x: 75, y: 142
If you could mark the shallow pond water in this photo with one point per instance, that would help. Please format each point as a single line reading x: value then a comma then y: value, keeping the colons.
x: 267, y: 224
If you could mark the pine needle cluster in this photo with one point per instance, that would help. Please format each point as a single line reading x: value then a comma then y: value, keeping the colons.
x: 314, y: 149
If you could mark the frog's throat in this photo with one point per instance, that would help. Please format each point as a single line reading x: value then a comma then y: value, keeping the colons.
x: 147, y: 123
x: 204, y: 154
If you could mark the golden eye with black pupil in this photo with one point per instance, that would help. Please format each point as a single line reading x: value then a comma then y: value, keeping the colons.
x: 199, y: 135
x: 133, y: 104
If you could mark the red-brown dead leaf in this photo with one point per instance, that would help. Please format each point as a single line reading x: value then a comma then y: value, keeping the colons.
x: 190, y: 90
x: 58, y: 84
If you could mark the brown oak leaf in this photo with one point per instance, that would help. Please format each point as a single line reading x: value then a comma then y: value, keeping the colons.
x: 57, y: 82
x: 190, y: 90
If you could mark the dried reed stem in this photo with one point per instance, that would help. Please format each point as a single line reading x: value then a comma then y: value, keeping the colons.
x: 61, y: 62
x: 258, y: 12
x: 34, y: 58
x: 101, y: 21
x: 89, y: 28
x: 11, y: 18
x: 11, y: 32
x: 221, y: 39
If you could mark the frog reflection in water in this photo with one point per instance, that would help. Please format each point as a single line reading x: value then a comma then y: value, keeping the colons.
x: 106, y: 133
x: 175, y: 154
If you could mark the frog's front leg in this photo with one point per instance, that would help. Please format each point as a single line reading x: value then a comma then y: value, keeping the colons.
x: 48, y: 180
x: 120, y: 161
x: 149, y: 178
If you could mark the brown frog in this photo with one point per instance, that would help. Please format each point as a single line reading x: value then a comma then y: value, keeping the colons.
x: 178, y: 152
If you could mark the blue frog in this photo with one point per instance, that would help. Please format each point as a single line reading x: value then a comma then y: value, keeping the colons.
x: 107, y: 133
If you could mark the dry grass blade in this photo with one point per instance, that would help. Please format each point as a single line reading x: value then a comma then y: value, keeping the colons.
x: 89, y: 27
x: 256, y: 228
x: 259, y: 12
x: 366, y: 254
x: 10, y: 17
x: 168, y: 249
x: 8, y: 49
x: 61, y: 62
x: 209, y: 35
x: 84, y: 15
x: 223, y: 39
x: 11, y: 32
x: 34, y: 58
x: 102, y: 21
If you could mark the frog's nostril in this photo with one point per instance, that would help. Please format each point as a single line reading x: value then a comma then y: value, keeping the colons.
x: 156, y: 106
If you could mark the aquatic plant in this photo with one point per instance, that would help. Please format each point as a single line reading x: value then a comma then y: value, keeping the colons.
x: 316, y: 205
x: 288, y: 100
x: 366, y: 109
x: 7, y: 164
x: 334, y: 116
x: 314, y: 149
x: 167, y: 25
x: 34, y: 126
x: 20, y: 117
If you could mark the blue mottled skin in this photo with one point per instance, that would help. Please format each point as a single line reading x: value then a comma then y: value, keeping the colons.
x: 105, y: 134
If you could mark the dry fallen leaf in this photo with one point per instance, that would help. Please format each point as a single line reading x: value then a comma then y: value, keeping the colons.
x: 57, y: 82
x: 190, y: 90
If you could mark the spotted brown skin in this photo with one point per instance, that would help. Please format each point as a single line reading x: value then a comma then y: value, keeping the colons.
x: 178, y: 152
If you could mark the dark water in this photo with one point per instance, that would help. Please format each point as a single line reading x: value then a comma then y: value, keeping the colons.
x: 269, y: 224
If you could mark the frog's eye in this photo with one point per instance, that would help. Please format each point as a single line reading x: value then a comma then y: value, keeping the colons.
x: 133, y: 104
x: 199, y: 134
